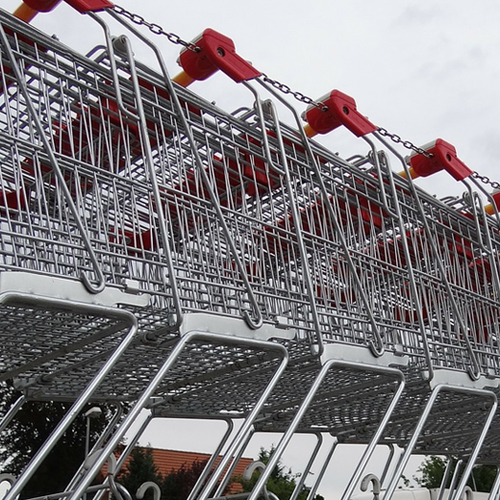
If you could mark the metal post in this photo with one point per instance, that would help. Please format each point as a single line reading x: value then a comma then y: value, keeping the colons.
x: 477, y: 448
x: 300, y: 484
x: 326, y: 463
x: 454, y: 479
x: 94, y: 412
x: 210, y: 464
x: 388, y: 463
x: 374, y: 440
x: 446, y: 475
x: 237, y: 457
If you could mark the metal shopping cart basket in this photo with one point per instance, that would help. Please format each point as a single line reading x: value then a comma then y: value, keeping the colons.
x: 233, y: 241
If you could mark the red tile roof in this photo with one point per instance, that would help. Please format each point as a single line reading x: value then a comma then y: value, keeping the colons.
x: 168, y: 461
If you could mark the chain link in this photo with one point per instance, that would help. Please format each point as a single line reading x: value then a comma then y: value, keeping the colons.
x: 155, y: 28
x: 176, y: 39
x: 486, y: 180
x: 282, y: 87
x: 285, y: 89
x: 407, y: 144
x: 158, y: 30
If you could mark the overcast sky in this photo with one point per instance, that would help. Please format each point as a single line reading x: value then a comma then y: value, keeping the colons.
x: 422, y: 69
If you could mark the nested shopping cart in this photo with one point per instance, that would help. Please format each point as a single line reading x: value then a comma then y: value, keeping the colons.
x: 227, y: 243
x: 54, y: 266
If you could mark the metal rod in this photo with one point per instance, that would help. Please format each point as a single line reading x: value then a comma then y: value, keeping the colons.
x: 243, y: 432
x: 454, y: 479
x: 7, y: 418
x: 322, y: 472
x: 473, y: 457
x: 445, y: 478
x: 293, y: 205
x: 99, y: 443
x: 388, y: 463
x: 376, y: 437
x: 496, y: 487
x: 211, y: 463
x: 409, y: 268
x: 237, y: 457
x: 301, y: 482
x: 148, y: 161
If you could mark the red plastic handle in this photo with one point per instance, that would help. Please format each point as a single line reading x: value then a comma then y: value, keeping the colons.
x: 41, y: 5
x: 341, y: 110
x: 83, y: 6
x: 443, y: 157
x: 216, y: 52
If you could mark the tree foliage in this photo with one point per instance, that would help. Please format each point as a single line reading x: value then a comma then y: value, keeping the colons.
x: 432, y: 472
x: 140, y: 469
x: 433, y: 468
x: 281, y: 482
x: 178, y: 484
x: 29, y: 430
x: 175, y: 486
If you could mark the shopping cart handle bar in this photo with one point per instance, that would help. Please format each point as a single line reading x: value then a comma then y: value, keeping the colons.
x: 441, y: 155
x: 81, y: 6
x: 339, y: 109
x: 216, y: 51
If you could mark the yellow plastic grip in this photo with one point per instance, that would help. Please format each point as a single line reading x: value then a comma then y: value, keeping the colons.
x: 25, y: 13
x: 183, y: 79
x: 413, y: 174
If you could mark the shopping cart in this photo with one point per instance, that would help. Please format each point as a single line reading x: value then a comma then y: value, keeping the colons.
x: 230, y: 236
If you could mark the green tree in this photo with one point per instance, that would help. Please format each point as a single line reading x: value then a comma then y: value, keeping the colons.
x: 28, y: 431
x: 178, y: 484
x: 140, y: 469
x: 175, y: 486
x: 432, y: 472
x: 282, y: 482
x: 484, y: 477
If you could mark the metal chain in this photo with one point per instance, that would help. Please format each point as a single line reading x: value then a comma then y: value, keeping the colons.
x: 282, y: 87
x: 158, y: 30
x: 285, y: 89
x: 155, y: 28
x: 486, y: 180
x: 407, y: 144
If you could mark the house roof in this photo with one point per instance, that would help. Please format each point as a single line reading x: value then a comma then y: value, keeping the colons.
x: 168, y: 461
